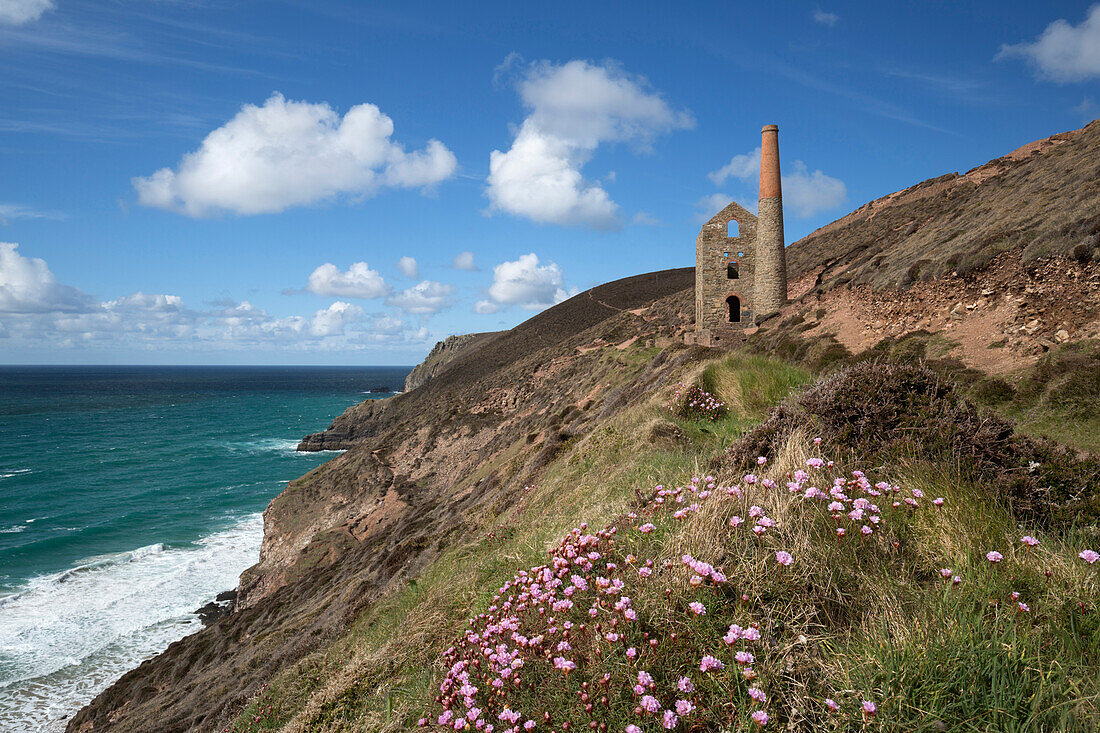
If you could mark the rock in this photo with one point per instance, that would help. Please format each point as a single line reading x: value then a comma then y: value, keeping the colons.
x: 222, y: 605
x: 1031, y: 326
x: 1061, y: 335
x: 987, y: 292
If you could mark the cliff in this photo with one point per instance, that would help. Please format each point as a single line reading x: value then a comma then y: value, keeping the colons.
x: 442, y: 354
x: 417, y: 466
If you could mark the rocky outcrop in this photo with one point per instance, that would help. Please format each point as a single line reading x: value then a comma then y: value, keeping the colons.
x: 442, y: 355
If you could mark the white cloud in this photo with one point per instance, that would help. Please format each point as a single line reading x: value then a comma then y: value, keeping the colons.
x: 824, y: 18
x: 644, y: 218
x: 408, y: 267
x: 485, y: 307
x: 423, y: 298
x: 28, y: 286
x: 19, y: 211
x: 464, y: 261
x: 40, y: 313
x: 1063, y: 52
x: 528, y: 284
x: 809, y: 193
x: 289, y: 153
x: 804, y: 193
x: 740, y: 166
x: 573, y: 108
x: 18, y: 12
x: 358, y: 282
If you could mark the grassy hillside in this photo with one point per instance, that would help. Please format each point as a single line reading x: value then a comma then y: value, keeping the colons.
x: 862, y: 617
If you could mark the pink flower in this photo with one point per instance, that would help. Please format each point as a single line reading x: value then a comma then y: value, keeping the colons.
x: 668, y: 720
x: 736, y: 522
x: 757, y: 695
x: 840, y: 532
x: 633, y: 729
x: 831, y: 704
x: 994, y: 557
x: 631, y: 653
x: 650, y: 704
x: 761, y: 460
x: 946, y: 573
x: 1022, y: 607
x: 869, y: 709
x: 1029, y: 540
x: 938, y: 501
x: 866, y: 530
x: 760, y: 718
x: 698, y: 608
x: 646, y: 528
x: 708, y: 663
x: 645, y: 679
x: 683, y: 707
x: 685, y: 685
x: 743, y: 658
x: 1089, y: 556
x: 817, y: 441
x: 783, y: 558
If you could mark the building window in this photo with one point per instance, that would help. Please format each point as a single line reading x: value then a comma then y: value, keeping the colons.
x: 734, y: 305
x: 732, y: 228
x: 731, y: 271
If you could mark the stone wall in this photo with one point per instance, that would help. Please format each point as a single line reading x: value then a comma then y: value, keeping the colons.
x: 714, y: 251
x: 771, y: 258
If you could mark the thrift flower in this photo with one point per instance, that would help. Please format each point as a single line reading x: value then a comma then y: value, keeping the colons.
x: 668, y: 720
x: 831, y: 704
x: 783, y: 558
x: 869, y: 709
x: 683, y: 707
x: 760, y: 718
x: 698, y: 608
x: 1029, y: 540
x: 757, y: 695
x: 685, y: 685
x: 1089, y: 556
x: 994, y: 556
x: 708, y: 663
x: 650, y: 704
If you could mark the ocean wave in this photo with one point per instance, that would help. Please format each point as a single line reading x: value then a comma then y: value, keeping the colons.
x: 13, y: 529
x: 9, y: 473
x: 264, y: 445
x: 68, y: 635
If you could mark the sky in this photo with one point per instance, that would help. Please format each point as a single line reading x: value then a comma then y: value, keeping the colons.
x: 322, y: 182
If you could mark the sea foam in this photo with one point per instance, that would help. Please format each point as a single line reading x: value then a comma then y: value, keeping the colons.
x: 65, y: 637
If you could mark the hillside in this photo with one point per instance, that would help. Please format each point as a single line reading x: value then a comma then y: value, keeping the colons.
x: 583, y: 422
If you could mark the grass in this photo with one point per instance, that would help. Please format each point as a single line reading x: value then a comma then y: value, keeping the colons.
x: 859, y: 619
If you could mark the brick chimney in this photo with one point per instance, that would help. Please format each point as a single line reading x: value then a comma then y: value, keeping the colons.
x: 771, y: 257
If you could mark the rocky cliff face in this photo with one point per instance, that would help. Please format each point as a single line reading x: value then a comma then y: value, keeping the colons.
x: 346, y: 533
x: 442, y: 355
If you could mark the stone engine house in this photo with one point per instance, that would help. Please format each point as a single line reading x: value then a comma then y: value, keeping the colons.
x: 740, y: 260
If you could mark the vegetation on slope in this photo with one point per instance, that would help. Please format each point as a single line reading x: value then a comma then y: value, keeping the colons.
x: 860, y: 618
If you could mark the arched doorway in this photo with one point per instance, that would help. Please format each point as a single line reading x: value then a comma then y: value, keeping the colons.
x: 733, y: 304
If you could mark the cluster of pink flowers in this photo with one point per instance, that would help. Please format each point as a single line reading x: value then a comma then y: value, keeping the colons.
x: 692, y: 401
x: 569, y: 630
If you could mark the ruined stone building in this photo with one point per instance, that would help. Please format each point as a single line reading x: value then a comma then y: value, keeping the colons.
x: 740, y: 261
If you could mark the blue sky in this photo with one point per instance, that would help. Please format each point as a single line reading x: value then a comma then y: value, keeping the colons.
x: 295, y: 182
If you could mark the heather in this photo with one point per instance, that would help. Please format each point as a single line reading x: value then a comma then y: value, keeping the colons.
x: 736, y: 565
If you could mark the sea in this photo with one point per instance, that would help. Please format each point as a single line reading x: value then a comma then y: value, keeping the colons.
x: 129, y: 498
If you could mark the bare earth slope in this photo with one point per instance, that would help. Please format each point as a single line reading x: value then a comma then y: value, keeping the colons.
x: 1002, y: 261
x: 337, y: 538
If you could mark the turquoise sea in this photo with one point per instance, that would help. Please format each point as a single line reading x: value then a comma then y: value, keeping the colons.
x: 131, y: 496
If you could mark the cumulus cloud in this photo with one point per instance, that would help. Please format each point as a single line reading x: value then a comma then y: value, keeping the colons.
x: 464, y: 261
x: 39, y: 312
x: 824, y: 18
x: 485, y: 307
x: 809, y: 193
x: 744, y: 167
x: 526, y: 283
x: 408, y: 267
x: 572, y: 109
x: 804, y: 192
x: 18, y: 12
x: 359, y: 281
x: 423, y: 298
x: 1063, y: 52
x: 28, y: 286
x: 290, y: 153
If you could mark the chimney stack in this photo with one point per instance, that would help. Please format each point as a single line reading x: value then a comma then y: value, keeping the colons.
x: 771, y: 257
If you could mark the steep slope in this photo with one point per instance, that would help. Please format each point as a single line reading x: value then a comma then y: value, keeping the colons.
x: 338, y: 538
x: 1002, y: 262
